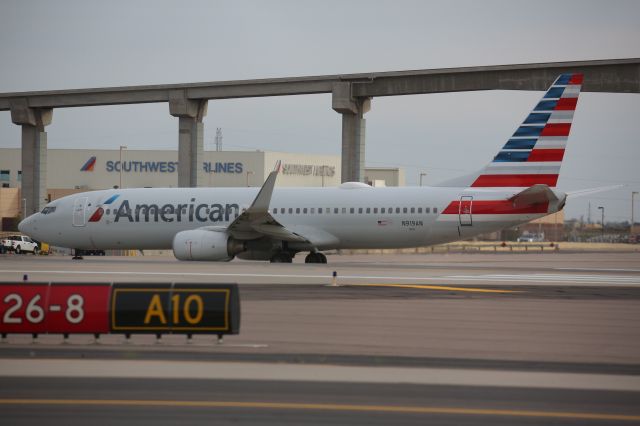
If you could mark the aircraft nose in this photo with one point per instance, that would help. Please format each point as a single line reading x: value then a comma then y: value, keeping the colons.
x: 25, y: 226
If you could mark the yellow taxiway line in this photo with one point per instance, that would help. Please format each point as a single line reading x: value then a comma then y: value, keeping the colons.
x: 325, y: 407
x: 439, y: 287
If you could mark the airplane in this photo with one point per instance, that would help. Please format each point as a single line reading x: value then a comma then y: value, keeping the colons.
x: 274, y: 224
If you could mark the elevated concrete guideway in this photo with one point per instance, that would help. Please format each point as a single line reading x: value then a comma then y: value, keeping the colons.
x: 351, y: 96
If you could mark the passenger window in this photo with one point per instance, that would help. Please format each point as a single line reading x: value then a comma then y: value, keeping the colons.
x: 397, y: 209
x: 375, y: 210
x: 320, y: 210
x: 419, y: 209
x: 368, y: 210
x: 108, y: 211
x: 404, y: 210
x: 297, y: 210
x: 344, y: 210
x: 359, y: 210
x: 328, y: 210
x: 313, y: 210
x: 335, y: 210
x: 290, y: 210
x: 382, y: 210
x: 427, y: 210
x: 304, y: 210
x: 413, y: 209
x: 435, y: 210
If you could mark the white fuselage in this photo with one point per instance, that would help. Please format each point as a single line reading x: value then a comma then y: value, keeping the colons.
x: 341, y: 217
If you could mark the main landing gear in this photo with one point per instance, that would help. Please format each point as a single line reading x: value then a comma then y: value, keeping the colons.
x: 315, y: 257
x: 282, y: 257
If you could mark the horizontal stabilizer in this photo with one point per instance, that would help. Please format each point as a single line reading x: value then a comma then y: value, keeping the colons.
x: 536, y: 194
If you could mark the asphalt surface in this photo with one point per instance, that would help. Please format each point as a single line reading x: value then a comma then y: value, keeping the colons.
x: 452, y: 339
x: 164, y: 402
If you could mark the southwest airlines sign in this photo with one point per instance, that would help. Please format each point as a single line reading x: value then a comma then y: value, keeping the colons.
x: 160, y: 166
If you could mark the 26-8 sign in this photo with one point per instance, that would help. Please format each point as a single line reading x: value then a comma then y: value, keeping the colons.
x: 63, y: 308
x: 178, y: 308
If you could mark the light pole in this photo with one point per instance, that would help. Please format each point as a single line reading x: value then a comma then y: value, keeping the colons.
x: 121, y: 148
x: 421, y: 176
x: 249, y: 172
x: 602, y: 208
x: 633, y: 194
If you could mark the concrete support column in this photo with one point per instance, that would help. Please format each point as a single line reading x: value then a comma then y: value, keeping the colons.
x: 353, y: 131
x: 34, y: 153
x: 190, y: 138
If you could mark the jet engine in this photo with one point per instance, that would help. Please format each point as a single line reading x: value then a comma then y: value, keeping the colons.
x: 205, y: 245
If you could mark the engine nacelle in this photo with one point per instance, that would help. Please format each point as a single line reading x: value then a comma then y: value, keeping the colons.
x: 205, y: 245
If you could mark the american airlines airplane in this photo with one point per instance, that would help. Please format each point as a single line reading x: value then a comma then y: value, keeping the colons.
x: 218, y: 224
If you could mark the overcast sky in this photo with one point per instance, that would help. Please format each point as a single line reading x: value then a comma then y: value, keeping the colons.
x: 47, y: 45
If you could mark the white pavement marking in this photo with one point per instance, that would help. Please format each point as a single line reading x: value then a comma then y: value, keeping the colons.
x: 344, y: 278
x: 149, y: 369
x: 598, y: 269
x: 600, y: 279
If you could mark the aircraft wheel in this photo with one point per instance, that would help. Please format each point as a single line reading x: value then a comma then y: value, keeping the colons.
x: 315, y: 258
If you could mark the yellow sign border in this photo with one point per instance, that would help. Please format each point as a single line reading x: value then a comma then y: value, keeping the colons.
x: 115, y: 291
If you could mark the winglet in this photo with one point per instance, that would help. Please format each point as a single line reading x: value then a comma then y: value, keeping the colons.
x: 263, y: 199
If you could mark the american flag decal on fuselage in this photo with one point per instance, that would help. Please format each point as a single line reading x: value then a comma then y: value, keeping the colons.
x: 534, y: 153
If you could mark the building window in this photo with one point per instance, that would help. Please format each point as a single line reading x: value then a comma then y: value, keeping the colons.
x: 19, y: 175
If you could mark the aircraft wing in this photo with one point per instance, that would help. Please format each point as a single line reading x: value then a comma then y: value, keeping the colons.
x: 256, y: 221
x: 583, y: 192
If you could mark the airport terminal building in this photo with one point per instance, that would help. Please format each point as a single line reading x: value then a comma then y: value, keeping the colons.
x: 76, y: 170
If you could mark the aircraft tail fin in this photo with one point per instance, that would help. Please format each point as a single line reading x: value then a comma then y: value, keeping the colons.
x: 534, y: 153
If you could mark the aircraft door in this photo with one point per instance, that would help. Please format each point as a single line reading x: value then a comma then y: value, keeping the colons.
x: 465, y: 212
x: 79, y: 211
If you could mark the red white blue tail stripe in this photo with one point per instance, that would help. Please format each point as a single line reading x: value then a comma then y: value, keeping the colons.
x: 534, y: 153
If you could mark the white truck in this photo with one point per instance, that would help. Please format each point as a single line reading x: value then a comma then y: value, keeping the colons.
x: 20, y: 244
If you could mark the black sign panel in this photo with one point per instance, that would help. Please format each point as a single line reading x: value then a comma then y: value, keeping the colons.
x: 177, y: 308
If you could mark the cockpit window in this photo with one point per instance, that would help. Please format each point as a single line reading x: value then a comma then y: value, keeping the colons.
x: 48, y: 209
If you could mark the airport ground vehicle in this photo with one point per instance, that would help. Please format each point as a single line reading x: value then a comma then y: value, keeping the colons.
x: 20, y: 244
